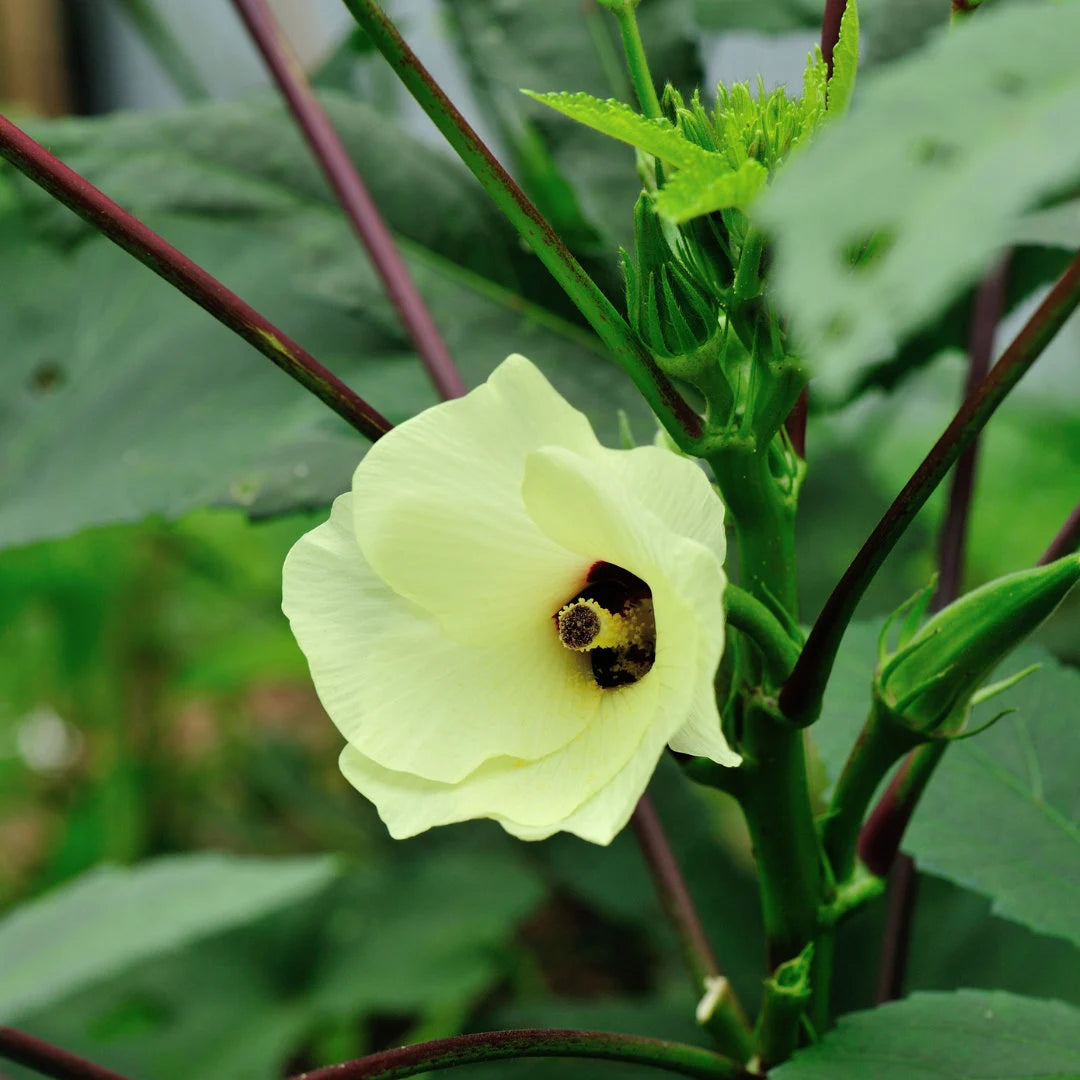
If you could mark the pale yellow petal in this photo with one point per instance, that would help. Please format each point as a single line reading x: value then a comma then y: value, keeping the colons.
x: 675, y: 490
x: 701, y: 735
x: 406, y: 694
x: 530, y: 794
x: 438, y: 507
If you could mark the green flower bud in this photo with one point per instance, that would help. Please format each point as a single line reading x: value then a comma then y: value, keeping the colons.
x: 671, y: 308
x: 930, y: 680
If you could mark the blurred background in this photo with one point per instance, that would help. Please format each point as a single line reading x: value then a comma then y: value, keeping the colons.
x: 153, y: 703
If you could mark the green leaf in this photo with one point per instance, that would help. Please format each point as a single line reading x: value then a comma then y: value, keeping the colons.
x: 970, y: 1033
x: 113, y: 918
x: 122, y: 399
x: 1001, y: 816
x: 657, y: 137
x: 1058, y: 227
x: 700, y: 190
x: 1029, y: 268
x: 957, y: 942
x: 424, y: 932
x: 923, y: 182
x: 845, y: 61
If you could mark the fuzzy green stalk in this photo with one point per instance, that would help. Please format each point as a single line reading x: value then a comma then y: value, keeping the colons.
x: 763, y: 518
x: 637, y: 63
x: 681, y: 422
x: 775, y: 798
x: 883, y: 741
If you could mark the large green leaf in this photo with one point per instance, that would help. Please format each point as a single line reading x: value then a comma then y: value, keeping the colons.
x: 123, y: 400
x: 426, y: 932
x: 970, y: 1033
x: 114, y: 918
x: 923, y: 181
x: 955, y: 941
x: 1002, y: 816
x: 421, y: 935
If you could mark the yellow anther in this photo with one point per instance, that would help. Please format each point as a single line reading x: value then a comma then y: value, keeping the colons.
x: 584, y: 625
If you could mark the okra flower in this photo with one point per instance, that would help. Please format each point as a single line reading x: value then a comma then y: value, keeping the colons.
x: 506, y: 619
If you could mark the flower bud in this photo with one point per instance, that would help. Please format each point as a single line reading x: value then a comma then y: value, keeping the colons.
x: 670, y: 306
x: 929, y: 681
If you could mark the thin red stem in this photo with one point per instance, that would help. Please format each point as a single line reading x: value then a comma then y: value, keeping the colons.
x: 801, y: 696
x: 406, y: 1061
x: 679, y: 1058
x: 96, y: 208
x: 830, y: 30
x: 795, y: 425
x: 671, y: 887
x: 1066, y: 541
x: 49, y: 1060
x: 352, y: 193
x: 904, y: 880
x: 989, y: 303
x: 899, y: 918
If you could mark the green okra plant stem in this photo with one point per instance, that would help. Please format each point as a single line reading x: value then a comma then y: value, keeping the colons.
x: 637, y: 63
x: 882, y: 742
x: 763, y: 519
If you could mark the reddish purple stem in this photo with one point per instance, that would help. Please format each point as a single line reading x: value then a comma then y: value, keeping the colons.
x: 671, y: 887
x: 830, y: 30
x: 989, y: 303
x: 352, y: 193
x: 49, y: 1060
x: 1066, y: 541
x: 881, y: 836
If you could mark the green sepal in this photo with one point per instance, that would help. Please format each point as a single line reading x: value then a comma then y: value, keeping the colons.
x: 786, y: 996
x: 674, y: 309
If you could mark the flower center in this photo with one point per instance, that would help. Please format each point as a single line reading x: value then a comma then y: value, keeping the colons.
x: 611, y: 619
